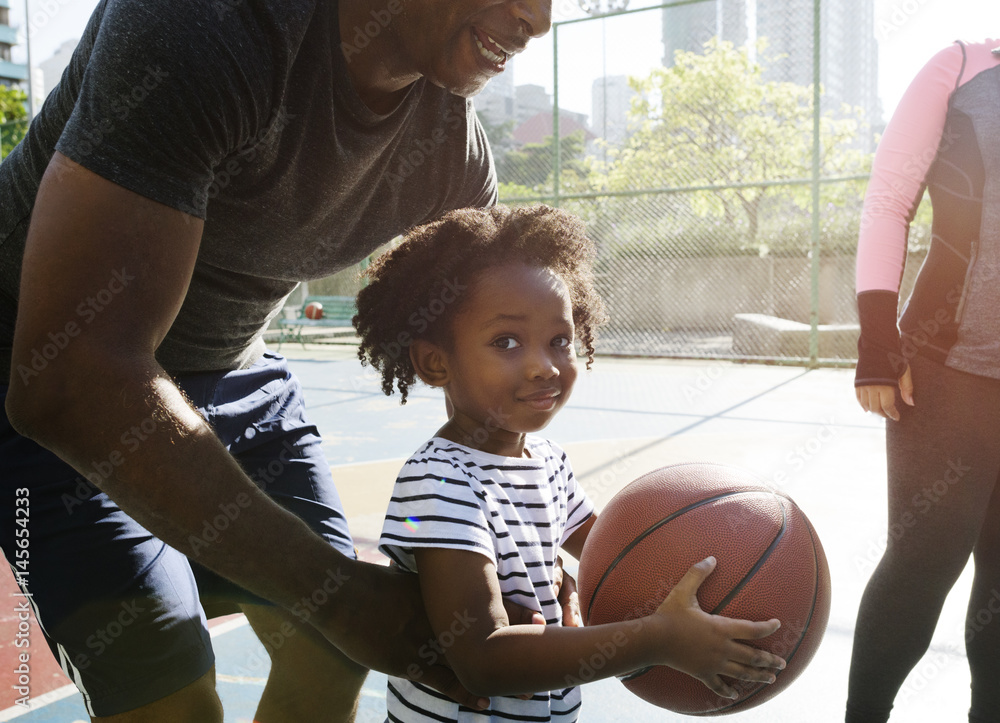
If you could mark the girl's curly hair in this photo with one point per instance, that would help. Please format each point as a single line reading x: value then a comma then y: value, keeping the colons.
x: 415, y: 288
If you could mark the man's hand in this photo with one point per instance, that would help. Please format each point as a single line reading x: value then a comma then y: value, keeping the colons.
x: 379, y: 621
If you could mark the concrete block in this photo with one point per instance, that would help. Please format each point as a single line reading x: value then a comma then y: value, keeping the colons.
x: 762, y: 335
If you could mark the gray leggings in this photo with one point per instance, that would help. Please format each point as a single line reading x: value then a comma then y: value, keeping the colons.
x: 944, y: 504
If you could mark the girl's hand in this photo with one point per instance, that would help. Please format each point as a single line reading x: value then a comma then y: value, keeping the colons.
x: 880, y: 399
x: 569, y: 599
x: 708, y: 646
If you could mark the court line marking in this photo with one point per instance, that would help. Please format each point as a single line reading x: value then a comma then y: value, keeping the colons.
x: 54, y: 696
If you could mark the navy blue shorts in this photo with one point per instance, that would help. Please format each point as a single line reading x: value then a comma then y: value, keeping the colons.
x: 120, y: 610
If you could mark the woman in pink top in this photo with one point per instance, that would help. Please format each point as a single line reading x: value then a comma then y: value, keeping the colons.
x: 935, y: 377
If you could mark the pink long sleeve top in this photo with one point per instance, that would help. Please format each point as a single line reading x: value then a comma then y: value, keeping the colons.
x: 944, y: 136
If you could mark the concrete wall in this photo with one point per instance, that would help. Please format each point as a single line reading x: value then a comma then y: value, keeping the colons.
x: 663, y: 294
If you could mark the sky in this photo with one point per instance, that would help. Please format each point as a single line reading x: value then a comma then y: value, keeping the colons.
x: 909, y: 32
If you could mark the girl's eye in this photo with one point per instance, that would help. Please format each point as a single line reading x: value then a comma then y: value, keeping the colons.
x: 562, y: 341
x: 506, y: 342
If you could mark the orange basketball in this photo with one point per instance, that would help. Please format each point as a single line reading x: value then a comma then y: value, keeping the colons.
x: 770, y: 565
x: 314, y: 310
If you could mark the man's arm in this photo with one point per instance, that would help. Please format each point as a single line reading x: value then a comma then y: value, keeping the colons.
x: 128, y: 261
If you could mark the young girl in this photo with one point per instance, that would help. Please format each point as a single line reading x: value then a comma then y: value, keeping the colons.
x: 489, y: 305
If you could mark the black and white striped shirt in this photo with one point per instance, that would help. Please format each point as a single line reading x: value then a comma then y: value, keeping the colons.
x: 515, y: 511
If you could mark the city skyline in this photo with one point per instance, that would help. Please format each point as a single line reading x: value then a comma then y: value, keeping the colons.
x: 908, y: 33
x: 782, y: 29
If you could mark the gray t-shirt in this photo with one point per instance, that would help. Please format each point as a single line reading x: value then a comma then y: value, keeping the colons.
x: 241, y: 112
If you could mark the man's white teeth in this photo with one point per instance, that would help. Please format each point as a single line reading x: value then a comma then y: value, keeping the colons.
x: 489, y: 54
x: 506, y: 52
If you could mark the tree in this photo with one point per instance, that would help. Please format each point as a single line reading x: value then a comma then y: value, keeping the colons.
x: 13, y: 118
x: 500, y: 135
x: 531, y: 164
x: 713, y: 119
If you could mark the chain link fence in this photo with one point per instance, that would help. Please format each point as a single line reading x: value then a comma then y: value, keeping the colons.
x: 719, y: 152
x: 721, y: 175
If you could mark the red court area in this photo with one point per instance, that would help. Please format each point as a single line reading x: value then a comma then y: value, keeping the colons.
x: 37, y: 674
x: 24, y: 655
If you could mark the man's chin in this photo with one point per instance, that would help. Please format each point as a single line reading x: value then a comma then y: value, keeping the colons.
x: 462, y: 87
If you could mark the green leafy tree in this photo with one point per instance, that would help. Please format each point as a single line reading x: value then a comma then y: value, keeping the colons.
x: 13, y: 118
x: 499, y: 135
x: 713, y: 119
x: 528, y: 169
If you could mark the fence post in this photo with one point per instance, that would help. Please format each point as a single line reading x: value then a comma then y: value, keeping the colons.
x: 814, y: 245
x: 556, y: 140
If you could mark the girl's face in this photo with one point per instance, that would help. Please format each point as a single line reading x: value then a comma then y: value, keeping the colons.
x: 511, y: 364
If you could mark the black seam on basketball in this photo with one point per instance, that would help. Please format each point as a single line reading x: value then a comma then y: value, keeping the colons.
x: 734, y: 592
x: 760, y: 562
x: 805, y: 628
x: 642, y: 536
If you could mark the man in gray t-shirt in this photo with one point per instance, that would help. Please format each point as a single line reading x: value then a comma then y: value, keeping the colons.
x: 195, y: 163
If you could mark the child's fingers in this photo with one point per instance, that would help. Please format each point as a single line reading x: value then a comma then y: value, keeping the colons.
x: 718, y: 686
x: 755, y: 658
x: 571, y: 611
x: 569, y: 600
x: 752, y: 630
x: 694, y: 577
x: 738, y: 671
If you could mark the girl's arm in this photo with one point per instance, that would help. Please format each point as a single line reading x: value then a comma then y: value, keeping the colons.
x: 463, y: 601
x: 575, y: 542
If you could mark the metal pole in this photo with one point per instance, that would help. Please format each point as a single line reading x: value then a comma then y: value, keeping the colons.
x: 814, y: 246
x: 604, y: 89
x: 557, y: 143
x: 27, y: 45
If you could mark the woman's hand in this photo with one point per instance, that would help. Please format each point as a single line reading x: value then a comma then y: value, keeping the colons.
x: 880, y: 399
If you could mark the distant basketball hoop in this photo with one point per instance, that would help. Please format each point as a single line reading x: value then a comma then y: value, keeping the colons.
x: 602, y: 7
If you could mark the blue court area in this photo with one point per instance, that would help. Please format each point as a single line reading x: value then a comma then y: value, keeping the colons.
x: 800, y: 430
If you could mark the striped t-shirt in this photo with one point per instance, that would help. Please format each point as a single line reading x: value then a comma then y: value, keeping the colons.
x: 515, y: 511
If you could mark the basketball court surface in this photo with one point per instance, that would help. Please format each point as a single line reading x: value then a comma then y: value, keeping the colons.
x: 799, y: 430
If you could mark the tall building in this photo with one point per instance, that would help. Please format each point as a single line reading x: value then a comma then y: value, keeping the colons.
x: 52, y: 68
x: 689, y: 27
x: 10, y: 73
x: 848, y: 49
x: 533, y: 115
x: 495, y: 102
x: 611, y: 97
x: 527, y: 111
x: 530, y: 100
